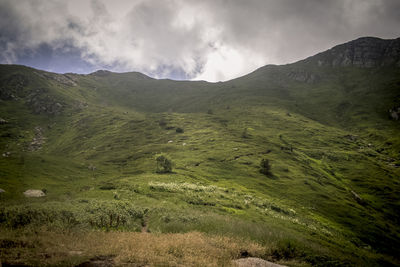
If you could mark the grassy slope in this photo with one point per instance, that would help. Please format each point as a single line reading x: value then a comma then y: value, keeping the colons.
x: 304, y: 210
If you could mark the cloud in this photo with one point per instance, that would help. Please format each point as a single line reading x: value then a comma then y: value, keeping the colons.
x: 185, y: 39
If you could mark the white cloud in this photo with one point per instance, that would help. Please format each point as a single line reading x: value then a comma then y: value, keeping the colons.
x: 225, y: 63
x: 211, y: 40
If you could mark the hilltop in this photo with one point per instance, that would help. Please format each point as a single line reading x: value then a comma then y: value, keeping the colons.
x: 328, y: 126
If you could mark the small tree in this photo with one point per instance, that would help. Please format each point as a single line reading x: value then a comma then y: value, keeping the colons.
x: 265, y: 167
x: 164, y: 165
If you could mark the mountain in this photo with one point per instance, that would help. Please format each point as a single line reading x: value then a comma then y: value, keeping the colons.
x: 325, y: 129
x: 366, y: 52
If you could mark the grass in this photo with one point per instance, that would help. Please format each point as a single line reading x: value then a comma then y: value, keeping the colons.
x: 72, y: 248
x: 98, y: 166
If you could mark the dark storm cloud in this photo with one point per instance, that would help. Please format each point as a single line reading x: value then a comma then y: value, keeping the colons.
x: 212, y: 40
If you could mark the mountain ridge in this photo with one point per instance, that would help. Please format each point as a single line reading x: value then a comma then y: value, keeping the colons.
x: 385, y: 52
x: 366, y: 52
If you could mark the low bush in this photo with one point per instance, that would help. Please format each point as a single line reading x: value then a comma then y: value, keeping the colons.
x: 96, y: 214
x: 164, y: 165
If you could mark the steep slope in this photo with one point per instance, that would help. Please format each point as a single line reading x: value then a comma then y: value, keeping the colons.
x: 325, y: 124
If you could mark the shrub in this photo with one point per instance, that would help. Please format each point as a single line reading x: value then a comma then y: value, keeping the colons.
x: 108, y: 186
x: 287, y: 249
x: 162, y: 123
x: 265, y: 167
x: 179, y: 130
x: 164, y: 165
x: 245, y: 133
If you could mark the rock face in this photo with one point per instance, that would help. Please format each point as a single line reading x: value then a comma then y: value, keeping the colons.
x: 64, y: 79
x: 40, y: 99
x: 255, y: 262
x: 302, y: 76
x: 42, y: 103
x: 34, y: 193
x: 12, y: 87
x: 366, y: 52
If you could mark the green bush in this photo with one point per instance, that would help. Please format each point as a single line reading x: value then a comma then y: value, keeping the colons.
x: 164, y: 165
x: 265, y: 167
x: 162, y: 123
x: 113, y: 214
x: 96, y: 214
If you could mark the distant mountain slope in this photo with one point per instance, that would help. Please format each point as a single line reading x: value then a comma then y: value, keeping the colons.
x: 327, y: 126
x: 366, y: 52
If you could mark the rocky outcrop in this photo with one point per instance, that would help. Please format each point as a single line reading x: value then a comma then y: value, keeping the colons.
x: 357, y: 198
x: 366, y: 52
x: 254, y: 262
x: 6, y: 154
x: 394, y: 113
x: 38, y: 140
x: 34, y: 193
x: 12, y: 87
x: 42, y: 103
x: 40, y: 100
x: 3, y: 121
x: 64, y: 79
x: 302, y: 76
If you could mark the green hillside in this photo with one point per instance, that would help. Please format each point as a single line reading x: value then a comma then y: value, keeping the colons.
x: 91, y: 143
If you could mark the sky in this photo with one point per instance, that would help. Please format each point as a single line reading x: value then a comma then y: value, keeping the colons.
x: 212, y: 40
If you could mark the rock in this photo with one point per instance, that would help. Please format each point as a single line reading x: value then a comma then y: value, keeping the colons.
x: 41, y: 102
x: 92, y: 167
x: 351, y: 137
x: 38, y: 140
x: 255, y: 262
x: 65, y: 79
x: 99, y: 261
x: 395, y: 113
x: 12, y: 88
x: 184, y: 144
x: 170, y: 141
x: 357, y: 198
x: 3, y: 121
x: 34, y: 193
x: 2, y: 191
x: 303, y: 76
x: 75, y: 252
x: 366, y: 52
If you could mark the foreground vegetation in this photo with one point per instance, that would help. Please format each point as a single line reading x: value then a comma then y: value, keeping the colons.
x: 74, y: 248
x: 154, y: 172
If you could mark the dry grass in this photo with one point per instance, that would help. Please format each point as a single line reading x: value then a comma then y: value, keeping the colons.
x: 123, y: 248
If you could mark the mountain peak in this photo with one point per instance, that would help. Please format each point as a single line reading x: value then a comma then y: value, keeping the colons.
x: 101, y: 73
x: 365, y: 52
